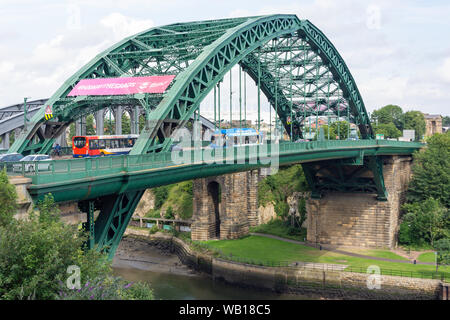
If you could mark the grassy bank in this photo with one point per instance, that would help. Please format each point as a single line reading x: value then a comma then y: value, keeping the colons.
x: 281, y: 229
x: 267, y: 250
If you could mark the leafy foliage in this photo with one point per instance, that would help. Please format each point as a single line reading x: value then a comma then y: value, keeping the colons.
x: 169, y: 213
x: 8, y: 198
x: 389, y: 114
x: 90, y: 125
x: 35, y: 255
x: 126, y: 123
x: 161, y: 194
x: 446, y: 121
x: 414, y: 120
x: 177, y: 196
x: 107, y: 288
x: 388, y: 129
x: 443, y: 251
x: 425, y: 221
x: 48, y: 210
x: 278, y: 187
x: 431, y: 171
x: 340, y: 129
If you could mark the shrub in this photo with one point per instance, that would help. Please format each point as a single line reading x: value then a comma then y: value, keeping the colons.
x: 154, y: 229
x: 107, y: 288
x: 424, y: 222
x: 8, y: 198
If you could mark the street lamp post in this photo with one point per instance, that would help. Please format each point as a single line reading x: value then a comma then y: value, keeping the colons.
x: 25, y: 119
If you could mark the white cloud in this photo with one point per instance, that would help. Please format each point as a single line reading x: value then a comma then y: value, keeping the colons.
x: 123, y: 26
x: 53, y: 61
x: 444, y: 70
x: 396, y: 53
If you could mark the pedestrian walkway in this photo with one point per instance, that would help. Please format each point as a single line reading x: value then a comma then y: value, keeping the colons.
x: 321, y: 266
x: 333, y: 249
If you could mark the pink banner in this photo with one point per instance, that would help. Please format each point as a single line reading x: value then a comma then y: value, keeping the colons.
x: 118, y: 86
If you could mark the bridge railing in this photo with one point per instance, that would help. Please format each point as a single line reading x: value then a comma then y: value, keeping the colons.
x: 57, y: 170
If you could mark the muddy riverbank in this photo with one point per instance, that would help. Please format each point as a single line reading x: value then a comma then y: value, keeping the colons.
x: 137, y: 260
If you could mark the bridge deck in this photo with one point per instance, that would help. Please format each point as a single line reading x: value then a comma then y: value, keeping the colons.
x: 78, y: 179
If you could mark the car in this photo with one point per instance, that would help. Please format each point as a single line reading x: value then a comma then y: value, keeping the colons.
x: 39, y: 160
x: 8, y: 158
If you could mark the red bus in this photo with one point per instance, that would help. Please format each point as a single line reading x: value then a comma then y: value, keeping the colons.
x: 98, y: 146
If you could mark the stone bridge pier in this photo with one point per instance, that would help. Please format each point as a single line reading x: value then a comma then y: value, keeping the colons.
x: 225, y: 206
x: 357, y: 219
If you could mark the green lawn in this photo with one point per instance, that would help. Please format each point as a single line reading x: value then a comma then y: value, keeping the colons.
x: 427, y: 257
x: 377, y: 253
x: 261, y: 249
x: 280, y: 229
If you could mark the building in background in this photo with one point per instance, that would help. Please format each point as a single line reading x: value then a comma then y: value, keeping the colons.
x: 433, y: 124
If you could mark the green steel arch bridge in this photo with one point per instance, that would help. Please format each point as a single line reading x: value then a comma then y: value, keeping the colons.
x: 293, y: 64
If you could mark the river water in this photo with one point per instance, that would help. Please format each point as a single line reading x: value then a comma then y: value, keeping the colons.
x: 136, y: 260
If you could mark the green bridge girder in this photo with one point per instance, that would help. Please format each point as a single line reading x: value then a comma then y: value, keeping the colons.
x: 299, y: 70
x: 282, y: 47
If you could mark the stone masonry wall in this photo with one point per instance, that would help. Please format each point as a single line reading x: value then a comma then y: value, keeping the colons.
x: 238, y: 208
x: 345, y: 219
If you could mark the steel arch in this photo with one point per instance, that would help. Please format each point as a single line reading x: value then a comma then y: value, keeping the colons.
x: 199, y: 53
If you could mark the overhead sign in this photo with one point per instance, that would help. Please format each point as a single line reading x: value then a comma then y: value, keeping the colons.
x: 121, y: 86
x: 48, y: 112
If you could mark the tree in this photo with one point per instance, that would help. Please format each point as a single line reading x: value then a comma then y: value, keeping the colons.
x: 442, y: 248
x: 426, y: 220
x: 8, y: 198
x: 325, y: 129
x: 431, y: 171
x: 141, y: 122
x: 161, y: 193
x: 71, y: 131
x: 90, y: 126
x: 340, y: 128
x: 389, y: 130
x: 48, y: 211
x: 278, y: 187
x: 169, y: 213
x: 446, y: 121
x: 126, y: 124
x: 414, y: 120
x: 35, y: 254
x: 389, y: 114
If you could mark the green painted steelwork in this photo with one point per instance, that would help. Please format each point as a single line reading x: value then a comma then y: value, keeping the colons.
x: 90, y: 178
x: 200, y: 54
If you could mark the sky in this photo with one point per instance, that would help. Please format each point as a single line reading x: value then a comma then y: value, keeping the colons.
x: 397, y: 51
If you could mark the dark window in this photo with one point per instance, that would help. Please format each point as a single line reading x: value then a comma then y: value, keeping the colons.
x: 79, y: 142
x: 101, y: 144
x: 93, y: 144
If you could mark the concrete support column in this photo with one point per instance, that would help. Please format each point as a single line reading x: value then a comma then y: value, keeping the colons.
x: 118, y: 118
x: 134, y: 120
x: 5, y: 140
x: 100, y: 122
x: 80, y: 126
